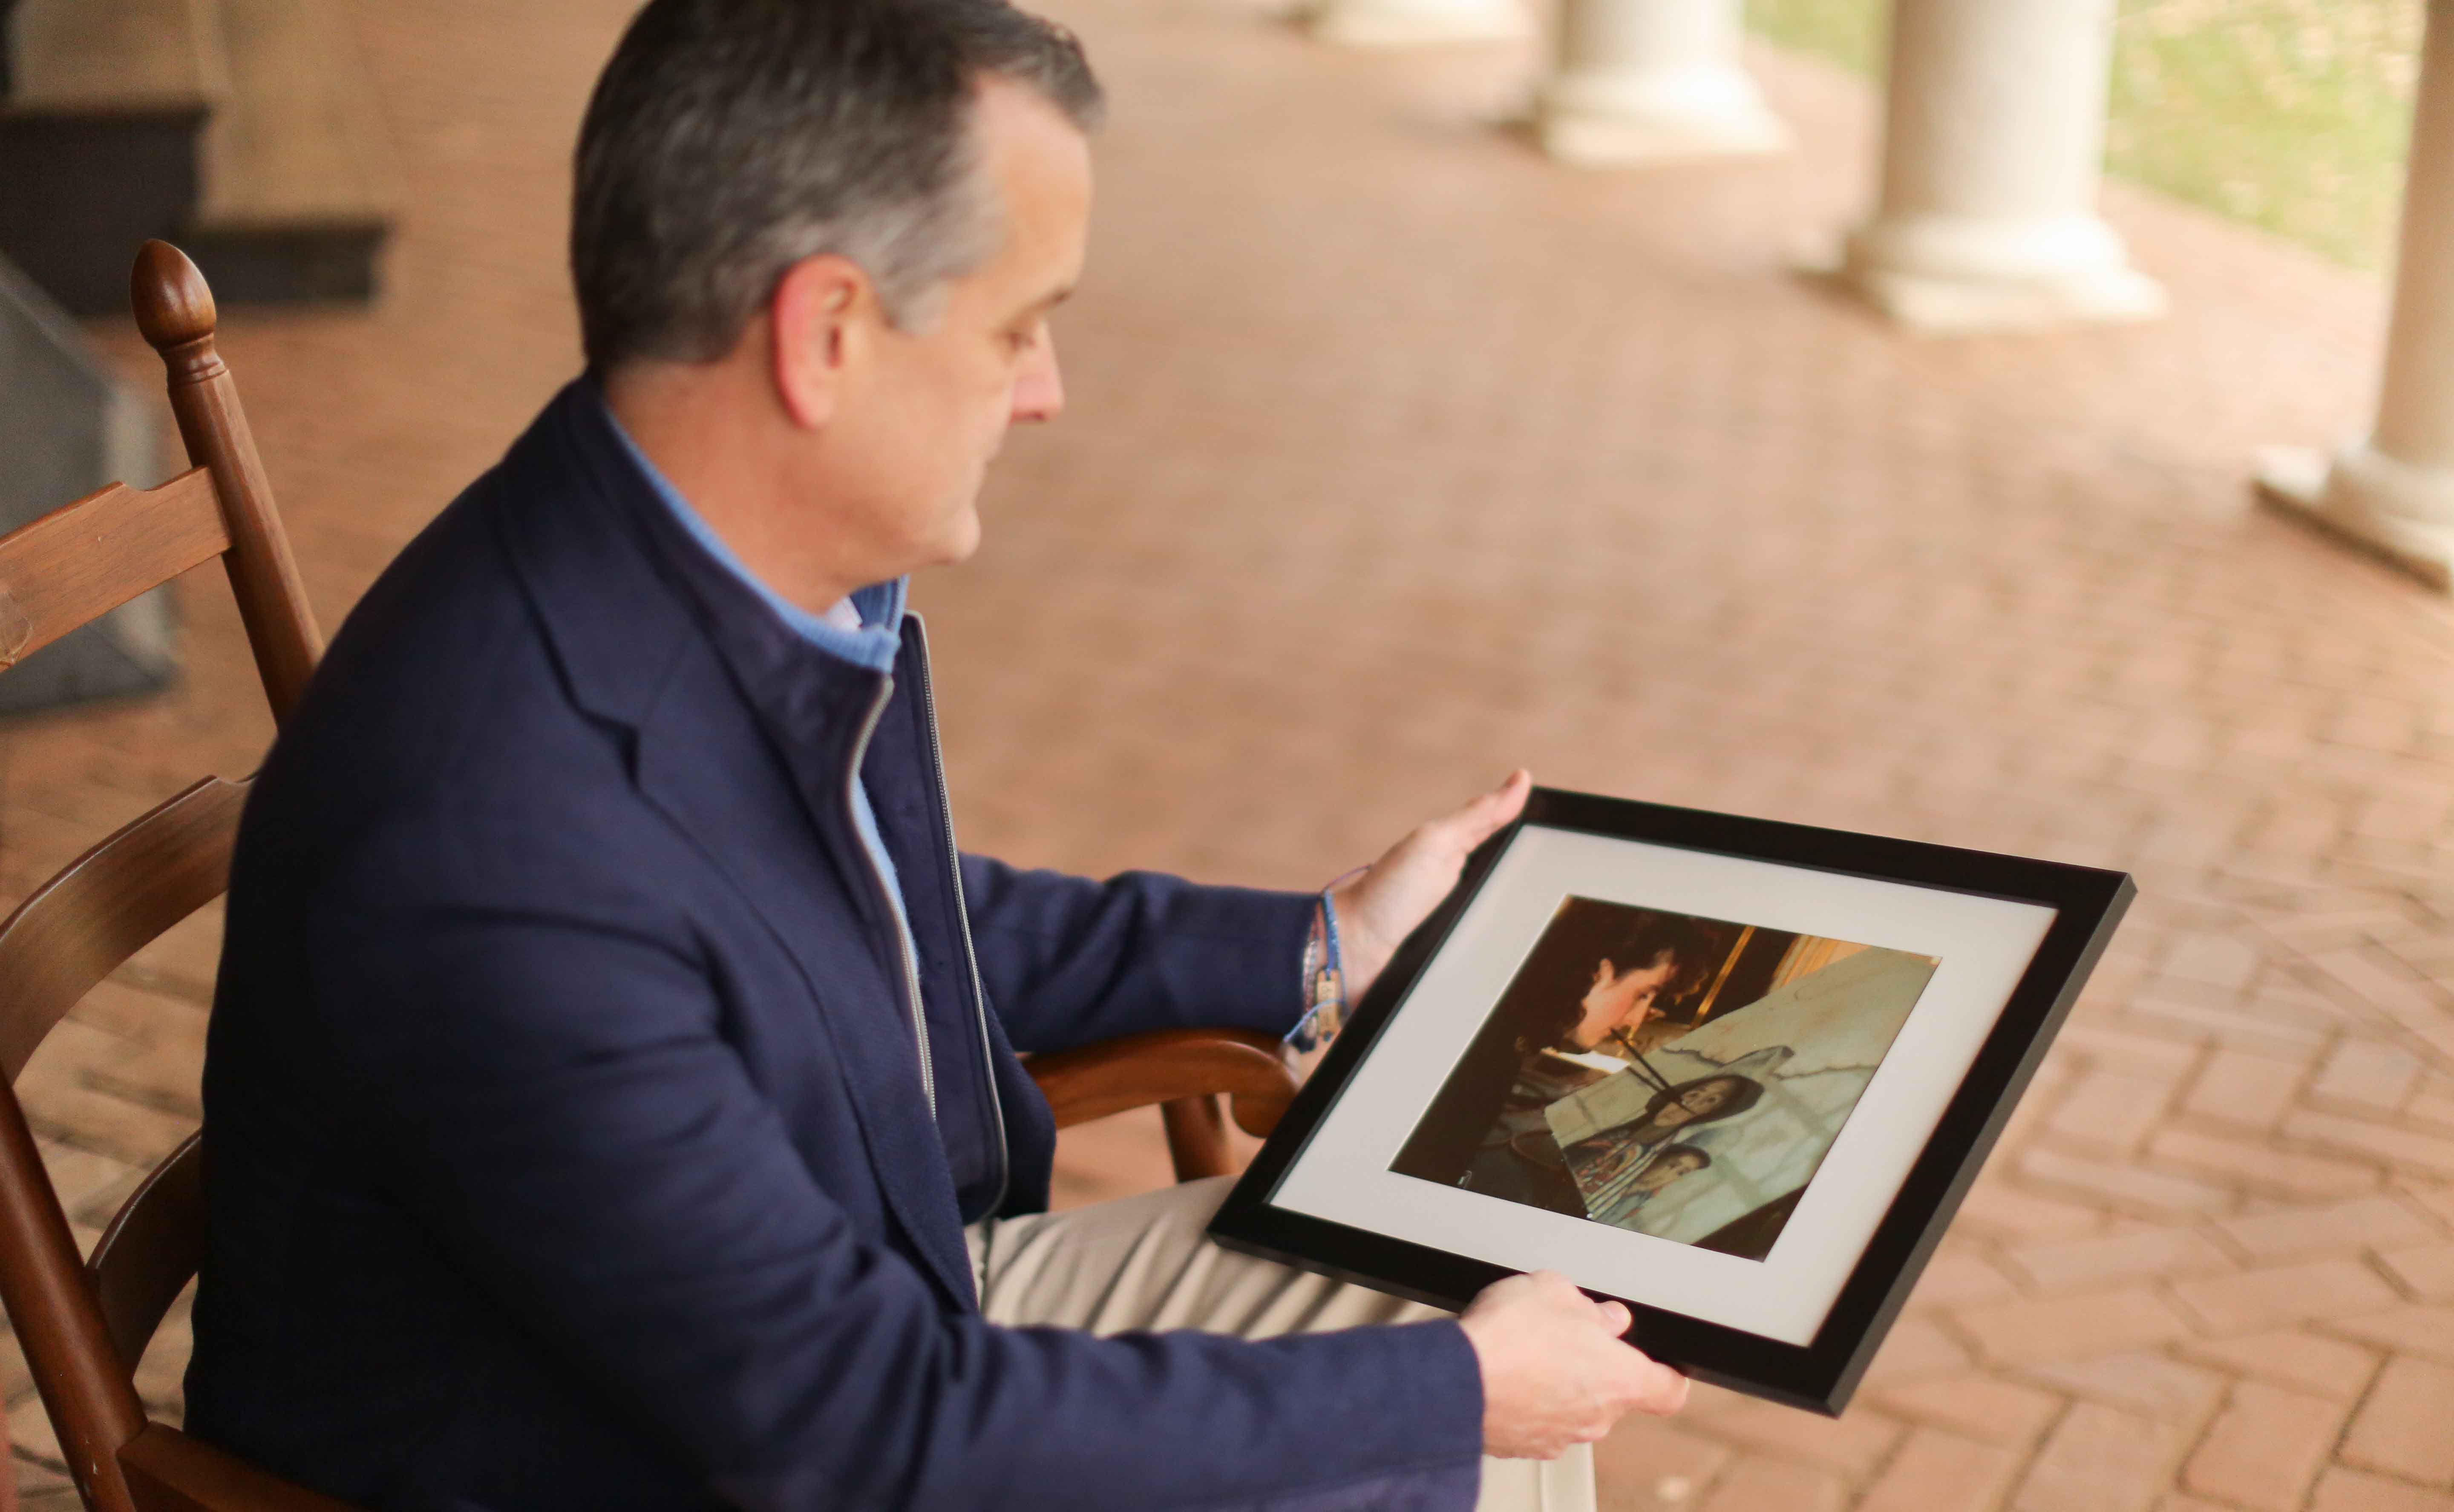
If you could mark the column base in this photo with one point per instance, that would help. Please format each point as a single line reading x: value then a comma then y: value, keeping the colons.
x: 2361, y: 496
x: 1416, y: 23
x: 1616, y: 120
x: 1945, y: 276
x: 1976, y: 307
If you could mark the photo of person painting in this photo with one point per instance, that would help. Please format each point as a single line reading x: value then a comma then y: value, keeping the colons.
x: 1664, y: 1073
x: 1602, y: 975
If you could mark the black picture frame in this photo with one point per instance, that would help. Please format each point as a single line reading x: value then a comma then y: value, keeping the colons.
x: 1820, y: 1376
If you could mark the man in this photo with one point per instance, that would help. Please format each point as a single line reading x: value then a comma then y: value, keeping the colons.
x: 612, y: 1080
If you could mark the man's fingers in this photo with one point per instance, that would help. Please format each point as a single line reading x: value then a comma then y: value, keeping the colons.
x: 1502, y: 802
x: 1479, y: 819
x: 1548, y: 1380
x: 1658, y: 1389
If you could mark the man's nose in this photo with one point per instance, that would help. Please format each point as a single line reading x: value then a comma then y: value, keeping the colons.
x: 1039, y: 390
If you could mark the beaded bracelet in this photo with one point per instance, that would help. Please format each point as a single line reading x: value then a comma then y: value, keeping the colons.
x: 1324, y: 975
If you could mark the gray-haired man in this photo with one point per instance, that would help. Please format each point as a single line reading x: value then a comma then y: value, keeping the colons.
x: 612, y: 1086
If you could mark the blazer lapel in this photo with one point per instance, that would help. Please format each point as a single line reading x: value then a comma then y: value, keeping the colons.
x: 640, y: 649
x: 731, y: 809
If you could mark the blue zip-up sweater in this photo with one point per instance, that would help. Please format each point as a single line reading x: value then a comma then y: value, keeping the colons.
x: 565, y: 1141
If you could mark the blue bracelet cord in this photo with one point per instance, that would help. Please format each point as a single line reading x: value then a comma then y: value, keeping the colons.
x: 1336, y: 966
x: 1326, y: 1012
x: 1300, y: 1038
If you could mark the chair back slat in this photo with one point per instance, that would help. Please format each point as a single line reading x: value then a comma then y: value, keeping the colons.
x: 84, y: 1326
x: 88, y: 558
x: 107, y: 904
x: 153, y: 1247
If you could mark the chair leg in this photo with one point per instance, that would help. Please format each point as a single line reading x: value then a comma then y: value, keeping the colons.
x: 1196, y: 1138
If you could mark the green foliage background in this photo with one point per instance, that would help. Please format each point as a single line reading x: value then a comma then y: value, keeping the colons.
x: 2292, y: 115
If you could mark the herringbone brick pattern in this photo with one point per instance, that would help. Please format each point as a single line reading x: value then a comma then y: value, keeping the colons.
x: 1399, y: 456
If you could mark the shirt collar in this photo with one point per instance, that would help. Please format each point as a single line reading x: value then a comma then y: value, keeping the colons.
x: 878, y: 607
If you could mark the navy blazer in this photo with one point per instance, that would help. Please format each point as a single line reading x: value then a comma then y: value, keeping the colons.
x: 569, y: 1147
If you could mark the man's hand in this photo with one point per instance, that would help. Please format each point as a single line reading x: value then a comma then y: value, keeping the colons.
x: 1554, y: 1371
x: 1379, y: 909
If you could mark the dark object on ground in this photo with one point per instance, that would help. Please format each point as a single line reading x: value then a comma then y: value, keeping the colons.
x: 245, y: 129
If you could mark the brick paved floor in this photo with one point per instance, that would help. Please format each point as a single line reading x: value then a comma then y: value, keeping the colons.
x: 1399, y: 456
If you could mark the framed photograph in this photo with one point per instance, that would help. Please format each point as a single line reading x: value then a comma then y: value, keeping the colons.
x: 1734, y: 1073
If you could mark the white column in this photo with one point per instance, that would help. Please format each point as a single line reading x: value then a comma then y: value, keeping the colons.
x: 1638, y: 81
x: 1411, y: 23
x: 2393, y: 491
x: 1993, y: 143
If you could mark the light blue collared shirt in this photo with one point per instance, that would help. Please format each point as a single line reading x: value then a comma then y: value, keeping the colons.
x: 877, y: 608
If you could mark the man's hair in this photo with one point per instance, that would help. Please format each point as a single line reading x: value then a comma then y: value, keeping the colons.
x: 728, y: 139
x: 1545, y: 1000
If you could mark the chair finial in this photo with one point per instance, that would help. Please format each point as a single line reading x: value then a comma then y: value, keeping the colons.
x: 173, y: 305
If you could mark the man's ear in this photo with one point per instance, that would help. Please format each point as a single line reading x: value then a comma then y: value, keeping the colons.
x: 815, y: 336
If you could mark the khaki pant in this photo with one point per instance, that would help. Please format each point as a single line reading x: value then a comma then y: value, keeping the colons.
x: 1143, y: 1264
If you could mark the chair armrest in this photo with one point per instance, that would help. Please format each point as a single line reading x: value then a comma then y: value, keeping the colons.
x: 167, y: 1471
x: 1182, y: 1070
x: 1164, y: 1066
